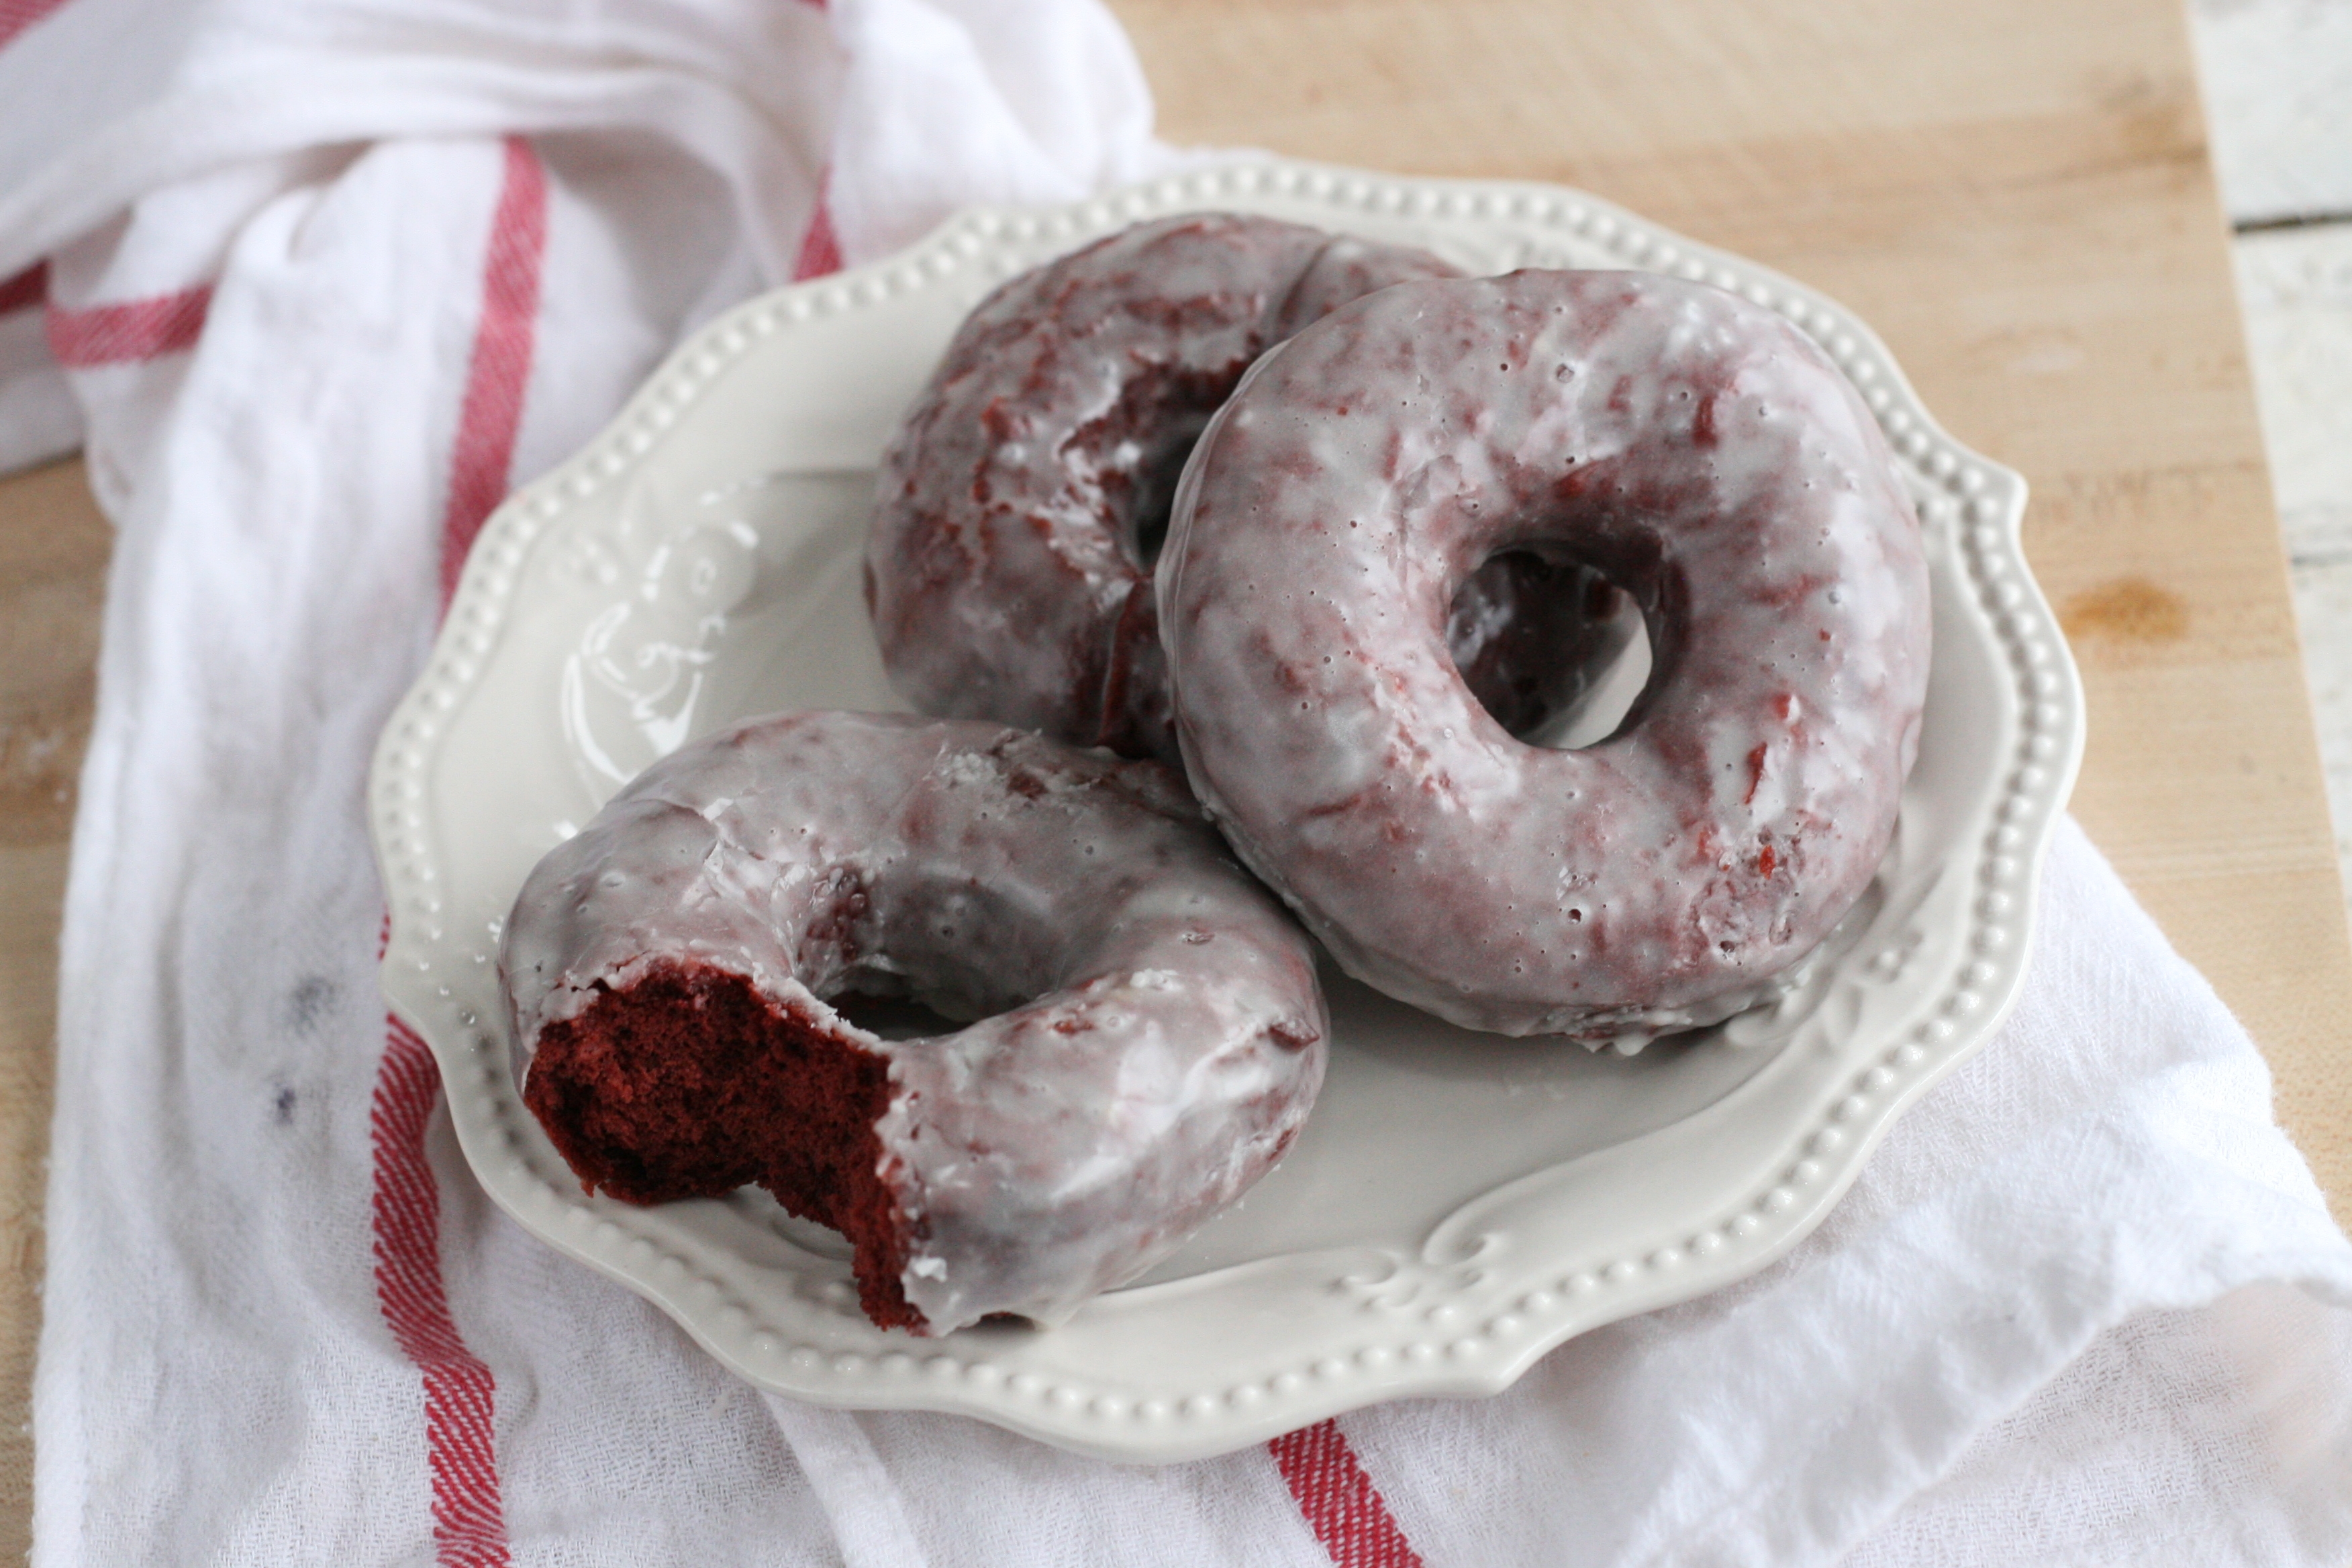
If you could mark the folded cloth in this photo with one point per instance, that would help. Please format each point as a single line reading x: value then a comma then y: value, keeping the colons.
x: 321, y: 277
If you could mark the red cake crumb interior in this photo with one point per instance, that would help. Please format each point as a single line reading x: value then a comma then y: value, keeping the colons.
x: 688, y: 1084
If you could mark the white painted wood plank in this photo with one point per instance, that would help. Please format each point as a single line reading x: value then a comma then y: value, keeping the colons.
x: 2278, y: 98
x: 2295, y: 287
x: 2322, y: 603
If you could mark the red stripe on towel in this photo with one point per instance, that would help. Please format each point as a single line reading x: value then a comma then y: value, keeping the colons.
x: 820, y: 249
x: 1339, y: 1502
x: 469, y: 1518
x: 24, y: 290
x: 133, y: 331
x: 500, y: 364
x: 16, y: 16
x: 460, y: 1394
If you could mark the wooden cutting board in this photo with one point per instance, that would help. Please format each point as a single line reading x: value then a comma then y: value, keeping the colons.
x: 2015, y: 194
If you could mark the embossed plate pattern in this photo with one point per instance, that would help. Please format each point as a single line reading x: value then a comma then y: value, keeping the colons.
x: 1459, y: 1204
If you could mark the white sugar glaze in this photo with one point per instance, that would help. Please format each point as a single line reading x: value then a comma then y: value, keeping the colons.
x: 1149, y: 1033
x: 1701, y: 453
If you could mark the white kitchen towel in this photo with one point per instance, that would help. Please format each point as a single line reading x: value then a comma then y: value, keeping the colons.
x: 323, y: 279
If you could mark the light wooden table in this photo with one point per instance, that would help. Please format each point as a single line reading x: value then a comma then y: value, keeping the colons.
x: 2014, y: 192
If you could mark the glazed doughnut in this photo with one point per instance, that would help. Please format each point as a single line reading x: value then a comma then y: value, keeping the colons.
x: 1705, y: 457
x: 1149, y: 1033
x: 1018, y: 509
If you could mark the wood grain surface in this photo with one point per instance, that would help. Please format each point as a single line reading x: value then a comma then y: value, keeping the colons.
x: 2015, y: 194
x: 53, y: 550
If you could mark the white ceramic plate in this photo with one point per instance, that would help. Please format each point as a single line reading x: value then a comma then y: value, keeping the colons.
x: 1459, y: 1204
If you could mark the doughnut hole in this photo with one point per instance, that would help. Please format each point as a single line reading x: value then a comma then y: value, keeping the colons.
x: 1554, y: 651
x: 1155, y: 489
x: 893, y: 1017
x: 943, y: 947
x: 1132, y: 454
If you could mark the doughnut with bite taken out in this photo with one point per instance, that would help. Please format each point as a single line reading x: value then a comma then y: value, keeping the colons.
x: 1147, y: 1031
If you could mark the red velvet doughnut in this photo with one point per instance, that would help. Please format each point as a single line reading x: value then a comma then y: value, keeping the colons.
x: 1704, y: 456
x: 1148, y: 1030
x: 1019, y: 508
